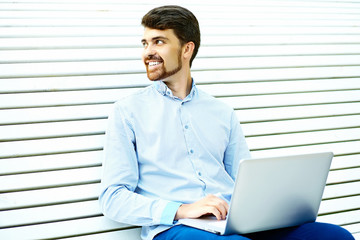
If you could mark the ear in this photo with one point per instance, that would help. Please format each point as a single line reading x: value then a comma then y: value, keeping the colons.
x: 188, y: 50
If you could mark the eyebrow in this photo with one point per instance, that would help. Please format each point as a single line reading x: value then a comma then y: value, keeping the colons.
x: 155, y: 38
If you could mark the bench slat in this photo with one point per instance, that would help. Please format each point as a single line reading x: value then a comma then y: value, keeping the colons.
x: 214, y: 5
x: 342, y: 148
x: 346, y: 161
x: 63, y: 229
x: 123, y: 234
x: 95, y: 31
x: 201, y: 78
x: 339, y: 205
x: 46, y: 114
x: 134, y: 41
x: 302, y: 125
x: 136, y: 66
x: 42, y: 197
x: 45, y: 214
x: 98, y: 126
x: 292, y: 99
x: 50, y: 130
x: 53, y: 146
x: 21, y: 199
x: 92, y: 175
x: 50, y: 162
x: 246, y: 20
x: 341, y: 190
x: 100, y: 111
x: 307, y: 138
x: 29, y: 181
x: 105, y: 54
x: 341, y: 218
x: 297, y: 112
x: 112, y: 95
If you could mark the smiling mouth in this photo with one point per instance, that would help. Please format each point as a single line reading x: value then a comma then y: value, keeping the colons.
x: 151, y: 64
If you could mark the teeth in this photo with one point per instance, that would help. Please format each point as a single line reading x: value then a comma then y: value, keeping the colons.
x: 153, y: 63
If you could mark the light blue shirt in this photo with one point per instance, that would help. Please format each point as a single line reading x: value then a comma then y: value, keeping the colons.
x: 162, y: 151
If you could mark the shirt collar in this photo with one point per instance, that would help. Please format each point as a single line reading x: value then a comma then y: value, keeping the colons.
x: 163, y: 89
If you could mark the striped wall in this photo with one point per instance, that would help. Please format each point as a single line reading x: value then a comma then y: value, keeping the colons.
x: 290, y: 69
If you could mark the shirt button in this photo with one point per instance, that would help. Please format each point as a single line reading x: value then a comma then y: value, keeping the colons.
x: 199, y: 173
x: 191, y: 151
x: 186, y: 127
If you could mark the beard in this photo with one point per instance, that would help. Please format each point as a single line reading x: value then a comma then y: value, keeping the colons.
x: 162, y: 73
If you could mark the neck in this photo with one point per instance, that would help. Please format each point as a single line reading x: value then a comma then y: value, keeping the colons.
x: 180, y: 84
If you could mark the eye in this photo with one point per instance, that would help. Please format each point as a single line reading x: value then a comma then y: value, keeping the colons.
x: 145, y: 44
x: 159, y: 42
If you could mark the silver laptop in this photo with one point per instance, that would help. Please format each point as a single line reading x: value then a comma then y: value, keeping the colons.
x: 272, y: 193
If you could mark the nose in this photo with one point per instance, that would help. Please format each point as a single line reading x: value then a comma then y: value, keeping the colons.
x: 148, y: 51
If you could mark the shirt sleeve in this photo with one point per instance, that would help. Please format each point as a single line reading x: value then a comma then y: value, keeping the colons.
x: 237, y: 148
x: 117, y: 199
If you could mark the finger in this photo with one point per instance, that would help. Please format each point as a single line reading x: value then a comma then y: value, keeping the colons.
x: 214, y: 211
x: 221, y: 205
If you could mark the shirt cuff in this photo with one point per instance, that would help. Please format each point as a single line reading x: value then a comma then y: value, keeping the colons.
x: 168, y: 215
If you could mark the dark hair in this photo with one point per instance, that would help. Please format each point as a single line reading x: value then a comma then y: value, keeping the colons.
x: 181, y: 20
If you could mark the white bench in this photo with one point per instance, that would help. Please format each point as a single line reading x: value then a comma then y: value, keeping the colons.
x: 291, y: 70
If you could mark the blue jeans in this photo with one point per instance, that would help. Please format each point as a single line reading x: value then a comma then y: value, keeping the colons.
x: 308, y: 231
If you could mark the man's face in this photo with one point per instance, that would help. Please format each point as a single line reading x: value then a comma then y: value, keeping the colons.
x: 162, y: 54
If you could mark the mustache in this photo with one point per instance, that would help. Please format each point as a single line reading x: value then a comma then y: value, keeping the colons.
x: 153, y: 57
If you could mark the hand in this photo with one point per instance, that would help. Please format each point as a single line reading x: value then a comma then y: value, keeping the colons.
x: 210, y: 205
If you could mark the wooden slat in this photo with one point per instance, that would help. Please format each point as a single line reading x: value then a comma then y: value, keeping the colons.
x: 136, y: 66
x: 290, y: 21
x: 123, y: 234
x: 134, y: 41
x: 275, y: 87
x: 45, y: 214
x: 354, y: 229
x: 49, y: 213
x: 306, y: 138
x: 52, y: 130
x: 49, y: 196
x: 331, y: 74
x: 94, y: 31
x: 30, y: 115
x: 51, y: 146
x: 91, y: 127
x: 51, y: 162
x: 341, y: 218
x: 283, y: 100
x: 63, y: 229
x: 46, y: 114
x: 112, y: 95
x: 339, y: 205
x: 302, y: 125
x: 297, y: 112
x: 341, y: 190
x: 346, y: 161
x: 64, y: 98
x: 104, y: 17
x: 299, y: 6
x: 106, y: 54
x: 255, y: 75
x: 30, y: 181
x: 346, y: 175
x: 338, y: 148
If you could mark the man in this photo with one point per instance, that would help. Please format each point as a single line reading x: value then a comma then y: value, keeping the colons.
x: 172, y: 151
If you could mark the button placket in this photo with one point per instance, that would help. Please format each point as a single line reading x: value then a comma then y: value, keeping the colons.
x: 190, y: 140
